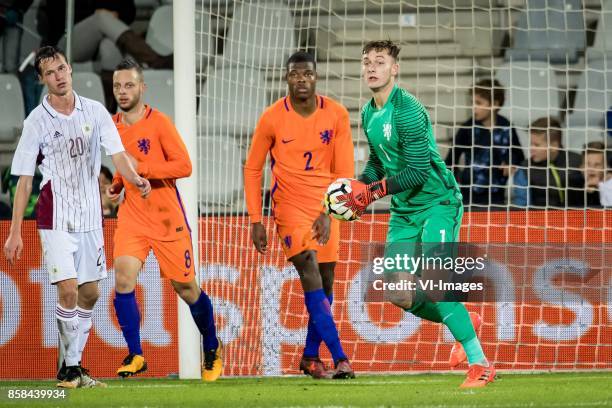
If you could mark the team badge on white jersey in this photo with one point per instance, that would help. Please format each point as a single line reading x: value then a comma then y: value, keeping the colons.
x: 87, y: 129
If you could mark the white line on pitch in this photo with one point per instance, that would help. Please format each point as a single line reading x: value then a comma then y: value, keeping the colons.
x: 135, y: 385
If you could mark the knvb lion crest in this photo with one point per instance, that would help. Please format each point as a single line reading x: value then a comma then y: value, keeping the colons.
x: 144, y: 145
x: 326, y: 136
x: 287, y: 241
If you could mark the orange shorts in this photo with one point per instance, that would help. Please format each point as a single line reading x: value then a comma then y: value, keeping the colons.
x: 297, y: 239
x: 175, y: 258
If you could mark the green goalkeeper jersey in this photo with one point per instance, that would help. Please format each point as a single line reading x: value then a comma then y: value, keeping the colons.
x: 403, y: 149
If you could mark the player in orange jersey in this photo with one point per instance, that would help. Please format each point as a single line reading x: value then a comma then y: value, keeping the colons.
x: 309, y: 140
x: 158, y: 223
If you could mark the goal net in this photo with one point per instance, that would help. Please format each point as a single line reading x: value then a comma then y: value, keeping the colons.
x: 535, y: 50
x: 537, y: 210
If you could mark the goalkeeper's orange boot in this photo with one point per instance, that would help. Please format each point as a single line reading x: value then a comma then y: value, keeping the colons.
x: 478, y: 376
x: 457, y: 354
x: 213, y: 363
x: 314, y: 367
x: 132, y: 365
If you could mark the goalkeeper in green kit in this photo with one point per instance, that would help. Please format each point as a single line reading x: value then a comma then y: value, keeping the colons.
x: 426, y: 206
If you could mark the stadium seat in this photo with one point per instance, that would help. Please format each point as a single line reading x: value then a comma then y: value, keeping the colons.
x: 221, y: 176
x: 87, y: 84
x: 549, y: 30
x: 11, y: 106
x: 205, y: 39
x: 593, y: 94
x: 261, y: 34
x: 86, y: 66
x: 531, y: 91
x: 576, y: 138
x: 159, y: 33
x: 524, y: 139
x: 231, y: 102
x: 215, y: 3
x: 602, y: 46
x: 160, y: 90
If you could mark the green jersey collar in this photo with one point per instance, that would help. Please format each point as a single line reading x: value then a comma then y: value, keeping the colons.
x: 393, y: 91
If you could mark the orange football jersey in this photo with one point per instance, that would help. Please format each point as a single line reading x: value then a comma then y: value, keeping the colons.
x: 162, y: 158
x: 307, y: 154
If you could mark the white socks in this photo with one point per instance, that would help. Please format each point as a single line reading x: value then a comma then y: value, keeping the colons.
x: 84, y: 316
x: 68, y: 326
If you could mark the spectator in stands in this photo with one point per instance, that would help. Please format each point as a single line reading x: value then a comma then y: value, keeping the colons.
x: 101, y: 30
x: 585, y: 192
x: 605, y: 187
x: 542, y: 180
x: 489, y: 147
x: 11, y: 17
x: 96, y: 21
x: 109, y: 208
x: 607, y: 124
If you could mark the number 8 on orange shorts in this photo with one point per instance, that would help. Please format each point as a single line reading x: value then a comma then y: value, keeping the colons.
x: 175, y: 258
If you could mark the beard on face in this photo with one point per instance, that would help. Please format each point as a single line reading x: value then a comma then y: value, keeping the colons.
x: 130, y: 105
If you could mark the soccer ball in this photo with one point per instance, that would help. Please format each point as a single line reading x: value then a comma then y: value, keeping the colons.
x: 333, y: 206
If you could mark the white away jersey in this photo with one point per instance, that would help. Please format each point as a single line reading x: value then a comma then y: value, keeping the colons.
x: 67, y: 150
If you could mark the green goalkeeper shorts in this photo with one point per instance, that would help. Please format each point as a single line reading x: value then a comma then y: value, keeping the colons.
x: 422, y: 233
x: 428, y: 234
x: 437, y: 224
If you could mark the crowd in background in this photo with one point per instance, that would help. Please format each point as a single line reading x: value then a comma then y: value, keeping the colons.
x: 493, y: 172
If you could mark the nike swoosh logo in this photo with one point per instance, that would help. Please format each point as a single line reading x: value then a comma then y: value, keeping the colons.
x: 287, y: 141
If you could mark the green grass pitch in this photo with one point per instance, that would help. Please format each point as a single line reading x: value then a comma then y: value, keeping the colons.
x: 422, y: 391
